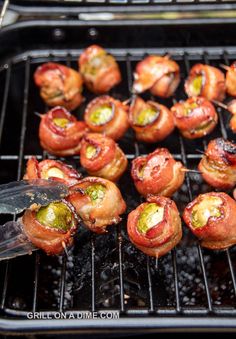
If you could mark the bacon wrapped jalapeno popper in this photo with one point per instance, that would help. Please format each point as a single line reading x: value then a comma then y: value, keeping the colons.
x: 151, y: 121
x: 102, y: 157
x: 205, y: 81
x: 59, y: 85
x: 218, y: 164
x: 108, y: 116
x: 195, y: 117
x: 160, y: 75
x: 211, y: 217
x: 154, y: 227
x: 98, y: 202
x: 157, y: 173
x: 51, y: 227
x: 51, y: 169
x: 60, y: 132
x: 99, y: 69
x: 230, y: 79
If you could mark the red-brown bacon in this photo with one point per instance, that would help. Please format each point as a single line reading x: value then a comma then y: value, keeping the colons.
x: 49, y: 239
x: 59, y: 85
x: 211, y: 217
x: 231, y: 79
x: 99, y: 69
x: 218, y: 164
x: 51, y: 169
x: 160, y: 75
x: 195, y: 117
x: 205, y: 81
x: 154, y: 227
x: 98, y: 202
x: 113, y: 124
x: 102, y: 157
x: 60, y: 132
x: 158, y: 173
x: 151, y: 121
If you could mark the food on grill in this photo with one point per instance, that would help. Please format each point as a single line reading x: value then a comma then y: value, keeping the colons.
x: 154, y: 227
x: 60, y: 132
x: 211, y: 217
x: 51, y: 227
x: 157, y: 173
x: 160, y: 75
x: 107, y: 115
x: 59, y: 85
x: 218, y: 164
x: 51, y: 169
x: 98, y: 202
x: 99, y: 69
x: 102, y: 157
x: 231, y: 106
x: 195, y: 117
x: 230, y: 79
x: 151, y: 121
x: 205, y: 81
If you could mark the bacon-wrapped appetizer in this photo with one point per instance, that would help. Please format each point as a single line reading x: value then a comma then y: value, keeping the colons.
x: 211, y: 217
x: 98, y: 202
x: 51, y: 169
x: 160, y: 75
x: 157, y: 173
x: 108, y: 116
x: 50, y: 227
x: 102, y: 157
x: 99, y: 69
x: 59, y: 85
x: 154, y: 227
x: 230, y: 79
x: 195, y: 117
x: 151, y: 121
x: 205, y: 81
x: 60, y: 132
x: 218, y: 164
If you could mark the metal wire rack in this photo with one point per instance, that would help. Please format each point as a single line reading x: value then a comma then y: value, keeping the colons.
x: 107, y: 272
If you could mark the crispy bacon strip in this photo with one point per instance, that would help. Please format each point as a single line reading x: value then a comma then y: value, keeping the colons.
x: 151, y: 121
x: 51, y: 228
x: 59, y: 85
x: 98, y: 202
x: 154, y: 227
x: 51, y: 169
x: 158, y: 173
x: 99, y: 69
x: 102, y: 157
x: 218, y: 164
x: 195, y: 117
x: 60, y: 132
x: 211, y: 217
x: 107, y: 115
x: 205, y: 81
x: 160, y: 75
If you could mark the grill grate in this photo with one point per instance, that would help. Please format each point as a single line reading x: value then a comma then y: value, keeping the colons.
x: 107, y: 272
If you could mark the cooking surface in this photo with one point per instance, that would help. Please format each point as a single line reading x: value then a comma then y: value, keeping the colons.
x: 106, y: 271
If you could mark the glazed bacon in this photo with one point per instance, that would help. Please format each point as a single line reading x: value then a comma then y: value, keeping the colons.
x: 59, y: 85
x: 157, y: 173
x: 102, y: 157
x: 160, y: 75
x: 107, y: 115
x: 211, y: 217
x: 98, y: 202
x: 230, y: 80
x: 60, y: 132
x: 205, y: 81
x: 51, y: 169
x: 99, y: 69
x: 154, y: 227
x: 51, y: 228
x: 218, y: 164
x: 151, y: 121
x: 195, y: 117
